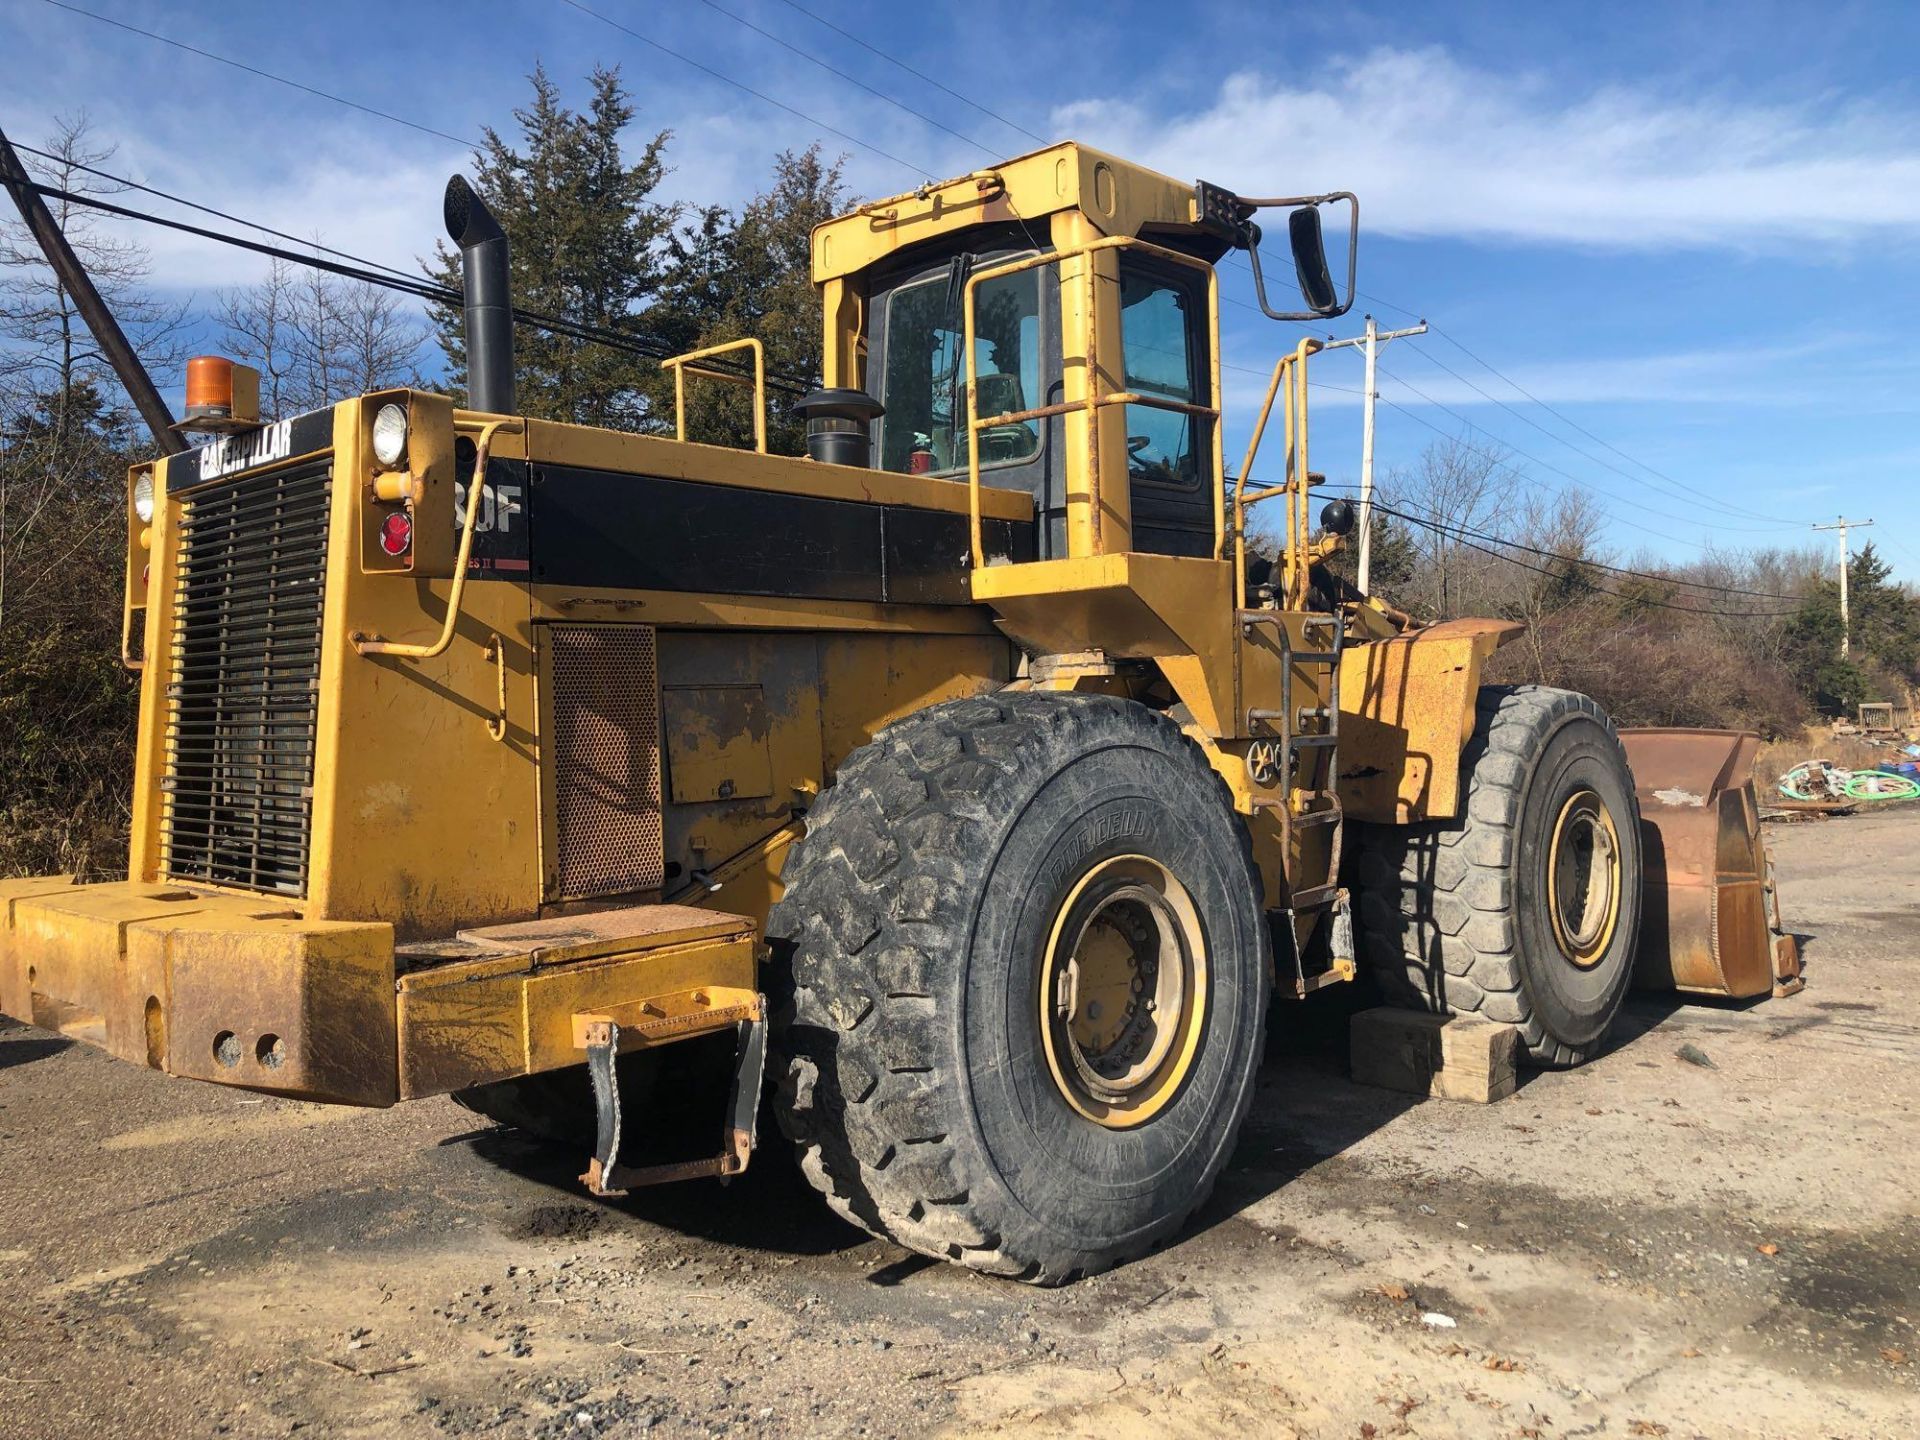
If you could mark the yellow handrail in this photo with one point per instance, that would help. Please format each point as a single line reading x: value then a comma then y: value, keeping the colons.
x: 1289, y: 368
x: 1095, y: 398
x: 373, y: 644
x: 678, y: 364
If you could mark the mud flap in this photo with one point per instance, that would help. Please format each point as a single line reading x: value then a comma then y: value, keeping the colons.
x: 605, y: 1174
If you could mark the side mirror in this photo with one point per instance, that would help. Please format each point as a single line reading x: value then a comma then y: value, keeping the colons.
x: 1310, y: 260
x: 1309, y: 253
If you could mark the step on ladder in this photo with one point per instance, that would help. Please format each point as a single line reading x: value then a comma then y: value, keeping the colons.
x: 1309, y: 772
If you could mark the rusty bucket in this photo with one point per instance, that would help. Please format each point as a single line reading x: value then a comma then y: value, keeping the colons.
x: 1711, y: 917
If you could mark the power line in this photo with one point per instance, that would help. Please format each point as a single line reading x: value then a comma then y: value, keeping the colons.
x: 819, y: 19
x: 850, y: 139
x: 625, y: 342
x: 1571, y: 478
x: 420, y: 289
x: 1564, y: 418
x: 1654, y: 575
x: 918, y: 170
x: 746, y: 89
x: 1461, y: 537
x: 853, y: 80
x: 1570, y: 421
x: 1585, y: 455
x: 263, y: 74
x: 108, y: 175
x: 1496, y: 459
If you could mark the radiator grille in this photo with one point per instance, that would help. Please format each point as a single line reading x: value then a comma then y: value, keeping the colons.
x: 608, y: 836
x: 243, y: 701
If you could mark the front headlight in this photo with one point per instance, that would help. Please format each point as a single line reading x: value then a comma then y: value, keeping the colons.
x: 143, y: 498
x: 390, y: 435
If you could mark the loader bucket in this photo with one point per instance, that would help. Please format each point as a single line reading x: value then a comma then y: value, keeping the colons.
x: 1711, y: 918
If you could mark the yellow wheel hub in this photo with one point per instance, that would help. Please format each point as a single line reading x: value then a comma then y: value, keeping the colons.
x: 1123, y: 991
x: 1583, y: 879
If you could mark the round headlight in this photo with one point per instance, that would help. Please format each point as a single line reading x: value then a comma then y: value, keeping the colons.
x: 143, y: 497
x: 390, y: 435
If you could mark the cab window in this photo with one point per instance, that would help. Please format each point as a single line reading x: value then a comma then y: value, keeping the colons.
x: 1163, y: 339
x: 926, y: 423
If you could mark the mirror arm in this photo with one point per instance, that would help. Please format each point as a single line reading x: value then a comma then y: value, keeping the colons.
x: 1353, y: 252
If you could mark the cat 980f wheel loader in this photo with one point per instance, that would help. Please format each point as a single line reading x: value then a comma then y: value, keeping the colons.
x: 969, y: 777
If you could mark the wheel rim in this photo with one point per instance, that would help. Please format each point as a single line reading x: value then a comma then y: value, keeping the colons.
x: 1583, y: 879
x: 1123, y: 990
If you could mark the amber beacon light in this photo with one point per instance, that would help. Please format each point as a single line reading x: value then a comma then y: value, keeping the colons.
x: 222, y: 396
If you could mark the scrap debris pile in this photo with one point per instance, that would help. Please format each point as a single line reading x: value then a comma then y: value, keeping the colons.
x: 1823, y: 780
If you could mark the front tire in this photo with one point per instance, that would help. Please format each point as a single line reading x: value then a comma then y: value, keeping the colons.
x: 1525, y: 908
x: 1029, y: 981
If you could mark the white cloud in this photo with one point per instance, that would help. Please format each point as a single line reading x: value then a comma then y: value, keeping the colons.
x: 387, y: 211
x: 1824, y: 373
x: 1437, y: 149
x: 1819, y: 372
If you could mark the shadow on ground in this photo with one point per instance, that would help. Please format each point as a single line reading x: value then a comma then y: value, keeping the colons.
x: 1306, y: 1111
x: 23, y: 1047
x: 771, y: 1208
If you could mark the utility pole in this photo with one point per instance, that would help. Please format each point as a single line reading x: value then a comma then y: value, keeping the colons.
x: 1842, y: 524
x: 1370, y: 343
x: 93, y: 308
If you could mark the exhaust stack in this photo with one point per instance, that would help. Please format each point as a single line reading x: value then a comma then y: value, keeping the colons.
x: 488, y: 284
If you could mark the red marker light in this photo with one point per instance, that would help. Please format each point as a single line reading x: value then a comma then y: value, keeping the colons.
x: 396, y: 533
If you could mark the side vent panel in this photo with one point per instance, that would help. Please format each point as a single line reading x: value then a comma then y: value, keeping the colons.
x: 606, y: 834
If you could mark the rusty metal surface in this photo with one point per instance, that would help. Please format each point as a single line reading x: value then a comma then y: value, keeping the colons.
x: 675, y: 1015
x: 618, y: 1180
x: 716, y: 738
x: 625, y: 930
x: 1711, y: 920
x: 468, y: 1022
x: 228, y: 988
x: 608, y: 833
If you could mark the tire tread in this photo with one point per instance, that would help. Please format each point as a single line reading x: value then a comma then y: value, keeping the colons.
x: 1456, y: 952
x: 894, y: 1156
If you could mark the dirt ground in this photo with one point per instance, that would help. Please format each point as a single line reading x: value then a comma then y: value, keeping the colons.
x: 1645, y: 1247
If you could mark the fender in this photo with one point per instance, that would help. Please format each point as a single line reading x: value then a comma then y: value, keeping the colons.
x: 1406, y: 709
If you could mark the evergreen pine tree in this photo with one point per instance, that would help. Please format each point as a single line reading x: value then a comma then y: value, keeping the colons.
x: 588, y: 243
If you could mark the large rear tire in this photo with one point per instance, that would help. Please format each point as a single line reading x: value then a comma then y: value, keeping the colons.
x: 1029, y: 981
x: 1525, y: 909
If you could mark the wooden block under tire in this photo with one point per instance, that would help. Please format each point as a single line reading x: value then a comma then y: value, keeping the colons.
x: 1452, y: 1057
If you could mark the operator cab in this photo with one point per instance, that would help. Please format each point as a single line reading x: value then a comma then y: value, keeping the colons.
x: 895, y: 276
x: 916, y: 371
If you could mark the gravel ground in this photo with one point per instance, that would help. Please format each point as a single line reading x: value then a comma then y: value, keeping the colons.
x: 1645, y: 1247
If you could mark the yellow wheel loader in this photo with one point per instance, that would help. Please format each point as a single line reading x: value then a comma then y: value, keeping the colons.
x: 970, y: 778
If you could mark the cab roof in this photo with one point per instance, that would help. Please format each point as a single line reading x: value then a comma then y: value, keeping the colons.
x: 1118, y: 197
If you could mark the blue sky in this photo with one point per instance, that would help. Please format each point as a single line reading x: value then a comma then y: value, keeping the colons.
x: 1693, y: 230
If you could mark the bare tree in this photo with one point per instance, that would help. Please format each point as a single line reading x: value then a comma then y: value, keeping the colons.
x: 316, y: 339
x: 52, y: 352
x: 1456, y: 488
x: 376, y: 339
x: 258, y: 328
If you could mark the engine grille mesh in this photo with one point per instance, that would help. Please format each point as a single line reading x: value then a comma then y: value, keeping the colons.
x: 243, y: 702
x: 608, y: 834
